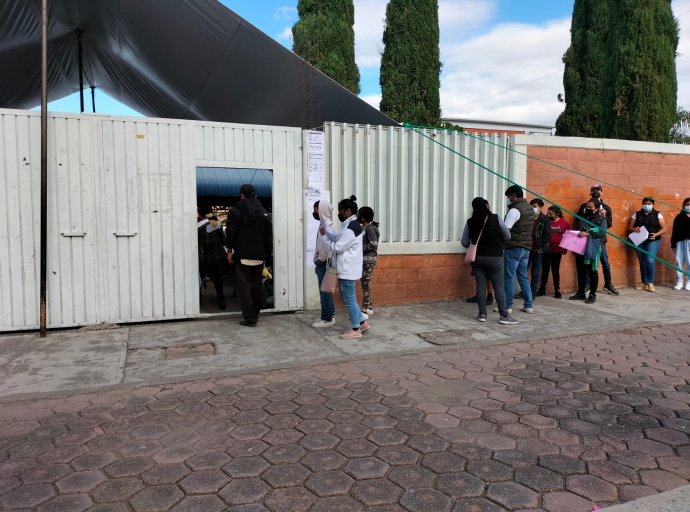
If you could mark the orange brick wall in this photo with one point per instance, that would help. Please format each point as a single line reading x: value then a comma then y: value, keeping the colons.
x: 662, y: 176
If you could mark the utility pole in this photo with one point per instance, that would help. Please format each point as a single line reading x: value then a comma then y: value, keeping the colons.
x: 44, y: 162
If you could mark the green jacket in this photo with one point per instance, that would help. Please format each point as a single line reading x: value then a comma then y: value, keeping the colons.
x: 521, y: 233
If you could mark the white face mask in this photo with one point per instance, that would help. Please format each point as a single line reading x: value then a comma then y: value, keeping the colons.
x: 536, y: 211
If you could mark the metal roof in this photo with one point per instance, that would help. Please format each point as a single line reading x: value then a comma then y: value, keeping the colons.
x: 225, y: 182
x: 180, y: 59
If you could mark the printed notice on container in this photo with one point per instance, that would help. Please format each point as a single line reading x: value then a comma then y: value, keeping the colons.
x: 314, y: 190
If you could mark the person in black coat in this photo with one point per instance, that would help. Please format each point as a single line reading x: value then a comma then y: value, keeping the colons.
x: 212, y: 254
x: 680, y: 243
x: 250, y: 241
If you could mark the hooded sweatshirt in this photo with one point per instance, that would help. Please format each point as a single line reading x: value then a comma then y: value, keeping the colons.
x: 370, y: 242
x: 347, y: 248
x: 322, y: 252
x: 249, y: 231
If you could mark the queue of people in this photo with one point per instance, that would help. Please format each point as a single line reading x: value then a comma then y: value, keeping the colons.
x: 503, y: 250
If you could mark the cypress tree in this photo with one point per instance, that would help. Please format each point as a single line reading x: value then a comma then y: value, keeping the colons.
x: 585, y: 62
x: 324, y: 36
x: 411, y: 62
x: 640, y: 83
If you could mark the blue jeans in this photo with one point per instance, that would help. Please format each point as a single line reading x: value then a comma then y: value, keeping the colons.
x: 682, y: 258
x: 535, y: 260
x: 348, y: 294
x: 516, y: 261
x: 647, y: 263
x: 605, y: 266
x: 327, y: 304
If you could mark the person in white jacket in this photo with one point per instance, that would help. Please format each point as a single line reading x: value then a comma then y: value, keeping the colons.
x: 347, y: 258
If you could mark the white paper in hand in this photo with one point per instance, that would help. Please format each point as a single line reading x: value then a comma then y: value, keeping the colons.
x: 638, y: 238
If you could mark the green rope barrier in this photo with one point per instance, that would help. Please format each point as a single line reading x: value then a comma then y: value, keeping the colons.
x: 613, y: 235
x: 408, y: 125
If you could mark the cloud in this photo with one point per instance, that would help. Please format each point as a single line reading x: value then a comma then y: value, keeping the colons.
x: 683, y: 60
x: 372, y: 99
x: 285, y: 35
x: 285, y: 13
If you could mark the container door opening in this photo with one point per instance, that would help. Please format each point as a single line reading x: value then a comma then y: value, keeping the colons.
x: 218, y: 190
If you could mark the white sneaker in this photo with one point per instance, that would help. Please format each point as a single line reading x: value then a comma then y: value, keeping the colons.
x: 365, y: 316
x: 320, y: 324
x: 369, y: 311
x: 679, y: 285
x: 527, y: 310
x: 510, y: 311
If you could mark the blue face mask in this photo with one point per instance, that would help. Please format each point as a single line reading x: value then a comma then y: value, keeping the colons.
x: 647, y: 207
x: 536, y: 211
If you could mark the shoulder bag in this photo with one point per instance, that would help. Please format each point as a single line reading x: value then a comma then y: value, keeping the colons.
x: 471, y: 255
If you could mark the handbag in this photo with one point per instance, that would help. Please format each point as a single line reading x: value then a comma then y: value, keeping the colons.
x: 471, y: 255
x: 330, y: 280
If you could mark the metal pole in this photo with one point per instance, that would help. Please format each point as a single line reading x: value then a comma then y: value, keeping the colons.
x: 44, y: 162
x: 80, y: 37
x: 93, y: 98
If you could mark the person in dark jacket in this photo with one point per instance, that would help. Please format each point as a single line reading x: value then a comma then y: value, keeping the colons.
x: 519, y: 220
x: 680, y: 243
x: 541, y: 236
x: 370, y: 247
x: 250, y: 241
x: 594, y: 227
x: 596, y: 192
x: 488, y: 232
x: 211, y: 251
x: 654, y: 223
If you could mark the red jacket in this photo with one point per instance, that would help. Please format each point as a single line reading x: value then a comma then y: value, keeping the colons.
x: 558, y: 229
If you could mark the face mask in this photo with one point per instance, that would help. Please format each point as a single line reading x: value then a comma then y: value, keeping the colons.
x: 509, y: 202
x: 536, y: 211
x: 596, y: 195
x: 553, y: 219
x: 686, y: 208
x: 647, y: 207
x: 590, y: 212
x: 316, y: 216
x: 341, y: 217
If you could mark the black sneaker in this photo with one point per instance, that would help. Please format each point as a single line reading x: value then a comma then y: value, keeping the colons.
x: 489, y: 300
x: 609, y: 288
x: 472, y: 300
x: 540, y: 293
x: 579, y: 296
x: 558, y: 295
x: 244, y: 323
x: 591, y: 300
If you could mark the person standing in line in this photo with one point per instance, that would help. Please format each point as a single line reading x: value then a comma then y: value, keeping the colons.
x: 212, y: 251
x: 519, y: 220
x: 654, y: 223
x: 680, y: 243
x: 488, y: 232
x: 552, y: 259
x: 250, y: 241
x: 323, y: 210
x: 595, y: 230
x: 595, y: 193
x: 346, y: 247
x: 541, y: 237
x: 370, y: 246
x: 489, y: 286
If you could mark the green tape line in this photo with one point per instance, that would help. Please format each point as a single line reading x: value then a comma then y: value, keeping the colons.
x: 613, y: 235
x: 408, y: 125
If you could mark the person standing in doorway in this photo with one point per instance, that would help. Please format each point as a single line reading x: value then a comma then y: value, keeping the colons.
x: 323, y: 211
x: 346, y: 247
x: 519, y: 220
x: 541, y: 236
x: 552, y: 259
x: 250, y: 242
x: 370, y: 246
x: 680, y: 243
x: 211, y: 251
x: 596, y: 192
x: 654, y: 223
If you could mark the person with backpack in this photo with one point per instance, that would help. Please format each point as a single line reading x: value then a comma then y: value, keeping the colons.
x: 370, y: 245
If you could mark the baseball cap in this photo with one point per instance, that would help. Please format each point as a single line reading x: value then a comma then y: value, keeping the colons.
x: 248, y: 190
x: 595, y: 187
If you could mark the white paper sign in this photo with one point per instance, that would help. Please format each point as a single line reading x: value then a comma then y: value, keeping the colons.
x: 638, y: 238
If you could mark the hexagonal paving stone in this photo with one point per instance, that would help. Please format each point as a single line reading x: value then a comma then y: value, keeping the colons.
x: 561, y: 501
x: 540, y: 479
x: 512, y: 496
x: 676, y: 465
x: 471, y: 451
x: 93, y: 460
x: 423, y: 500
x: 43, y: 475
x: 208, y: 460
x: 295, y: 499
x: 327, y: 460
x: 120, y: 489
x: 443, y: 462
x: 337, y: 504
x: 284, y: 454
x: 131, y: 466
x: 245, y: 491
x: 635, y: 492
x: 367, y: 468
x: 286, y: 475
x: 592, y: 488
x: 376, y: 492
x: 661, y: 480
x: 204, y: 482
x: 496, y: 442
x: 283, y: 436
x: 27, y: 496
x: 412, y: 477
x: 397, y: 455
x: 246, y: 467
x: 633, y: 459
x: 379, y: 421
x: 562, y: 464
x: 84, y: 481
x: 477, y: 505
x: 330, y: 483
x: 427, y: 444
x: 516, y: 458
x: 460, y: 485
x: 157, y: 498
x: 489, y: 470
x: 319, y: 441
x: 347, y: 431
x: 74, y: 503
x: 165, y: 474
x: 75, y: 437
x: 200, y: 504
x: 251, y: 448
x: 387, y: 437
x: 357, y: 448
x: 667, y: 436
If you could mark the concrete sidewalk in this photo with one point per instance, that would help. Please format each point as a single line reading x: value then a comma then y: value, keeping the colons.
x: 71, y: 361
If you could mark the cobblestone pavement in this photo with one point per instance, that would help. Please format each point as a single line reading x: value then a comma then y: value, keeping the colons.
x: 559, y: 425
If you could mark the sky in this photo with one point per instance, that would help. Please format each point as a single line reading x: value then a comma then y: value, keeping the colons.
x: 487, y: 48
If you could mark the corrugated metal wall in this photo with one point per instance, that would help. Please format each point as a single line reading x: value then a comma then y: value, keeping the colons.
x: 421, y: 192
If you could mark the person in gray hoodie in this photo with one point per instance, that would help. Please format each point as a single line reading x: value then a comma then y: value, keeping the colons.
x: 370, y: 246
x: 323, y: 211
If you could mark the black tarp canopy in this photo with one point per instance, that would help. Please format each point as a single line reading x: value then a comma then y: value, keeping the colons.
x: 180, y: 59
